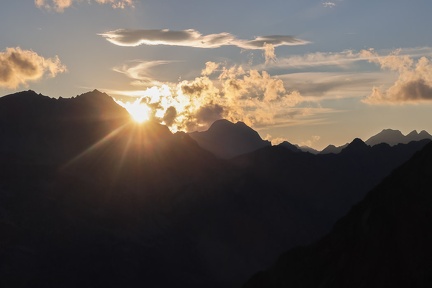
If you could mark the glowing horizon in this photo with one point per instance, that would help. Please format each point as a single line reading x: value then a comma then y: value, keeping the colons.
x: 308, y: 72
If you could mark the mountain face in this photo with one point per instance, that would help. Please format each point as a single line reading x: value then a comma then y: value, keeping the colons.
x: 384, y: 241
x: 331, y: 149
x: 90, y: 199
x: 227, y: 140
x: 394, y: 137
x: 289, y: 146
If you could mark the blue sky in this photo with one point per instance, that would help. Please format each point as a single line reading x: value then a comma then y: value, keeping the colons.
x: 310, y: 72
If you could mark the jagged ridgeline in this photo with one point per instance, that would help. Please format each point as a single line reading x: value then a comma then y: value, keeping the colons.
x: 384, y: 241
x: 88, y: 198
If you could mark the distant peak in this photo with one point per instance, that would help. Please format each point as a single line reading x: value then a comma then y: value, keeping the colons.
x: 424, y: 133
x: 413, y: 133
x: 356, y: 145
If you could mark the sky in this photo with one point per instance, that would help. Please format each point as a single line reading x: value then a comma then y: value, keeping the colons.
x: 309, y: 72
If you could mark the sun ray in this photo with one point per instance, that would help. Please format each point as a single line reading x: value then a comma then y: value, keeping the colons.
x: 140, y: 112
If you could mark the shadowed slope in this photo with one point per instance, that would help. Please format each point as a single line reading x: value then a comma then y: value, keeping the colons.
x: 227, y: 140
x: 384, y: 241
x: 91, y: 199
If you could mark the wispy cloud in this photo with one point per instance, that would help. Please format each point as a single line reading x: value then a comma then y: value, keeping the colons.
x: 329, y: 4
x: 60, y: 5
x: 343, y: 59
x: 193, y: 38
x: 414, y: 83
x: 141, y: 71
x: 269, y: 53
x: 19, y: 66
x: 317, y: 86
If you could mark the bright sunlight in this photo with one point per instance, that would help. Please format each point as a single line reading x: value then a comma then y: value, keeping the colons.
x: 139, y: 112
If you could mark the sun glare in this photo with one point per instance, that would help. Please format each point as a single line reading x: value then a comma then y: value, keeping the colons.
x: 139, y: 112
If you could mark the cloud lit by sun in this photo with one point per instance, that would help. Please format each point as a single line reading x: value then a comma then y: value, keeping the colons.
x: 234, y: 93
x: 139, y: 112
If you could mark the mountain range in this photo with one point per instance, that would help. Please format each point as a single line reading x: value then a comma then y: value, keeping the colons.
x: 228, y: 140
x: 384, y: 241
x: 394, y: 137
x: 89, y: 198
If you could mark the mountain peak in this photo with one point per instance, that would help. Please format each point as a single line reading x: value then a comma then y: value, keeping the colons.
x: 357, y: 145
x: 412, y: 134
x: 289, y: 146
x: 226, y: 139
x: 389, y: 136
x: 394, y: 137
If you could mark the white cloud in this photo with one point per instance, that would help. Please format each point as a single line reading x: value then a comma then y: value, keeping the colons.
x: 269, y: 53
x: 193, y: 38
x: 329, y: 4
x: 141, y: 70
x: 60, y: 5
x: 19, y: 66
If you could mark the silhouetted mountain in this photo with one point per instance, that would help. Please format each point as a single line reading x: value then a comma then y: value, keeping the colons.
x: 289, y: 146
x: 356, y: 146
x: 384, y: 241
x: 227, y: 140
x: 393, y: 137
x: 331, y: 149
x: 90, y: 199
x: 307, y: 149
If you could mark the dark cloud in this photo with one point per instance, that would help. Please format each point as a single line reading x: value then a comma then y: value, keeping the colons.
x: 210, y: 113
x: 415, y: 90
x: 170, y: 116
x: 413, y: 85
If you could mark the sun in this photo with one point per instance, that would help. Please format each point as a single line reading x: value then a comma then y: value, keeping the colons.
x: 140, y: 112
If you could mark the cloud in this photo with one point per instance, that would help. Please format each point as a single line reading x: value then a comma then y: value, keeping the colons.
x: 210, y: 68
x: 236, y: 94
x: 329, y: 4
x: 414, y: 82
x: 275, y: 40
x: 310, y: 142
x: 316, y: 86
x: 60, y: 5
x: 318, y: 59
x: 141, y: 70
x: 19, y: 66
x: 117, y: 4
x: 275, y: 140
x: 193, y: 38
x: 269, y: 53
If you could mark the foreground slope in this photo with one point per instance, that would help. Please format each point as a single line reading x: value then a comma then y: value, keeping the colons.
x: 384, y: 241
x: 90, y: 199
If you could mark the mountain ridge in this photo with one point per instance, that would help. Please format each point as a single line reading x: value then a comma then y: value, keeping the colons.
x: 108, y: 202
x: 394, y: 137
x: 227, y: 140
x: 384, y: 241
